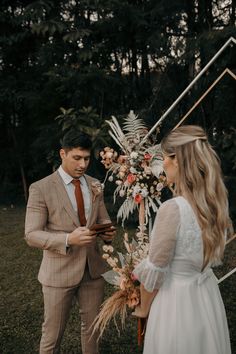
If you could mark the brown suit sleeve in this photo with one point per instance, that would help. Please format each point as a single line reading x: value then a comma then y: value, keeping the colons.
x: 36, y: 221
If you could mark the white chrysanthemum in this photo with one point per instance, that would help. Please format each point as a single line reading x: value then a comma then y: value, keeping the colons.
x: 134, y: 155
x: 136, y: 190
x: 133, y: 170
x: 144, y: 192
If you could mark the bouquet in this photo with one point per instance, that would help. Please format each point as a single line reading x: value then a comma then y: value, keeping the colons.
x: 137, y: 170
x: 138, y: 174
x: 127, y: 294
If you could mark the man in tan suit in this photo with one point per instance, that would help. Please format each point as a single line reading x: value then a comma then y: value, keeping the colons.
x: 71, y: 266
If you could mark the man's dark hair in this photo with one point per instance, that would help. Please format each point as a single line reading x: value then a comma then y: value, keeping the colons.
x: 76, y: 139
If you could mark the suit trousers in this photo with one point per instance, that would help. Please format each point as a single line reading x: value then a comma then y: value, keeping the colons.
x: 57, y: 305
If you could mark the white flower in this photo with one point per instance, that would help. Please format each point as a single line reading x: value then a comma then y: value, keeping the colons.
x: 134, y: 155
x: 157, y: 167
x: 133, y: 170
x: 136, y: 190
x: 148, y: 170
x: 107, y: 248
x: 144, y: 192
x: 152, y: 189
x: 159, y: 186
x: 121, y: 174
x: 110, y: 178
x: 105, y: 256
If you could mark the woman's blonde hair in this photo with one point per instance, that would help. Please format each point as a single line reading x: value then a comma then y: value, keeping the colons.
x: 199, y: 179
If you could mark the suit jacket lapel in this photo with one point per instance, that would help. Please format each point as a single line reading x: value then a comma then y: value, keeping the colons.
x: 89, y: 182
x: 65, y: 199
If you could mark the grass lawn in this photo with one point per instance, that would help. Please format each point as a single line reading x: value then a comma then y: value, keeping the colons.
x: 21, y: 306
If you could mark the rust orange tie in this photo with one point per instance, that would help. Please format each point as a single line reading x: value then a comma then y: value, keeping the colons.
x: 80, y: 202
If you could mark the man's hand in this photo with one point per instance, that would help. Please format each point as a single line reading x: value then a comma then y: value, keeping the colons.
x: 108, y: 236
x: 81, y: 236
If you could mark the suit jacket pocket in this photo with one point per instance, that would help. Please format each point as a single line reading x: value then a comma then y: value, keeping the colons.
x: 54, y: 254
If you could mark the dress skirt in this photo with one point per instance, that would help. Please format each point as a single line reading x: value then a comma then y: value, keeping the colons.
x: 187, y: 316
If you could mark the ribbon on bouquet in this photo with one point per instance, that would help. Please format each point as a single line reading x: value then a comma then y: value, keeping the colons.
x: 141, y: 330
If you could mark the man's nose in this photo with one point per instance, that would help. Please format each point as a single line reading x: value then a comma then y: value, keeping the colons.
x: 82, y: 163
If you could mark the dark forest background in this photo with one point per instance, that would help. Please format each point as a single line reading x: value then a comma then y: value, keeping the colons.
x: 76, y: 63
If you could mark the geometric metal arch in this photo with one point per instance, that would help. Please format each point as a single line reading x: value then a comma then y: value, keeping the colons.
x: 226, y: 71
x: 230, y: 41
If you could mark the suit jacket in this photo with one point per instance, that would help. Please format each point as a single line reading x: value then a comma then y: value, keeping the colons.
x: 49, y: 218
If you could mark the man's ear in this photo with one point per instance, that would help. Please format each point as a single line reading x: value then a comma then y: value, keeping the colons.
x: 62, y: 153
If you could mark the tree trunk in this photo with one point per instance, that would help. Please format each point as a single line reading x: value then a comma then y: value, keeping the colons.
x: 19, y: 161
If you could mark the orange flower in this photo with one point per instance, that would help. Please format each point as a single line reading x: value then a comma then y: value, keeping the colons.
x: 138, y: 198
x: 131, y: 178
x: 125, y: 283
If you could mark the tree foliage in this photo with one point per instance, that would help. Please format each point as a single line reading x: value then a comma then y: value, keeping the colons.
x: 97, y: 58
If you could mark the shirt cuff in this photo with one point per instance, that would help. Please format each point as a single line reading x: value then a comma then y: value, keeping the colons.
x: 67, y: 245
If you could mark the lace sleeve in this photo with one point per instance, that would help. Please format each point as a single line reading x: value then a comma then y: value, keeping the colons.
x: 152, y: 270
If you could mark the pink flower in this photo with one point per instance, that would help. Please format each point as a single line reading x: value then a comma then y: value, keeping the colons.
x: 138, y: 198
x: 121, y: 159
x: 133, y: 277
x: 131, y: 178
x: 147, y: 156
x: 133, y: 299
x: 159, y: 186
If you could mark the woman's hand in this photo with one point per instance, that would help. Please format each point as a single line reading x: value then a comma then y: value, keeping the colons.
x: 147, y: 297
x: 139, y: 312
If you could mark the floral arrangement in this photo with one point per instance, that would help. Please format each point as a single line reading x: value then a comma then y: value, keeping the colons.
x: 138, y: 174
x: 137, y: 170
x: 127, y: 294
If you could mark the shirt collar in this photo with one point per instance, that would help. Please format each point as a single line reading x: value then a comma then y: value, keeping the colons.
x: 67, y: 179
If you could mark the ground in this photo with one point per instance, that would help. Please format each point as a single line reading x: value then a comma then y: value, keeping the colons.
x: 21, y: 307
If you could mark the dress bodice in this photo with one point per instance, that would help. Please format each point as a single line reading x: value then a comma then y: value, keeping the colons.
x: 189, y: 245
x: 176, y: 245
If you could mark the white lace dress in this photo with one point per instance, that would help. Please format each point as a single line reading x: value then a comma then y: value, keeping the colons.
x: 187, y: 315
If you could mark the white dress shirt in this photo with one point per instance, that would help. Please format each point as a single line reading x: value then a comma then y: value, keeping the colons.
x: 70, y: 188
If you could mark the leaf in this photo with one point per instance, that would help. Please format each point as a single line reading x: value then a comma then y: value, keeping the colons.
x: 126, y: 209
x: 134, y: 126
x: 111, y: 277
x: 122, y: 259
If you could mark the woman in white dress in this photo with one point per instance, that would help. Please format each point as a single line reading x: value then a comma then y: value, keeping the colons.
x: 179, y: 292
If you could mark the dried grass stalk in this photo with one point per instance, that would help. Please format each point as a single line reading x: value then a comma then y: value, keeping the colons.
x: 113, y: 306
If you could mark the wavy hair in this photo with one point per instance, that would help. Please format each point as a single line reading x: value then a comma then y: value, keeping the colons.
x: 199, y: 179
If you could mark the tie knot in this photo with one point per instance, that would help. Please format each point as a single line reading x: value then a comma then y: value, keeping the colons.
x: 76, y: 182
